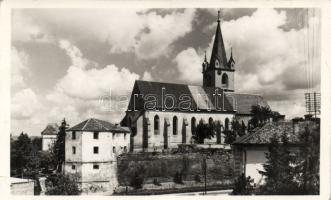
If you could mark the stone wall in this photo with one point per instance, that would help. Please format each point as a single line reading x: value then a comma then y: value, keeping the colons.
x: 163, y: 166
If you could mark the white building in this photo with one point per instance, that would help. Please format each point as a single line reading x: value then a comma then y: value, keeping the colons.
x: 91, y: 148
x: 249, y: 150
x: 49, y: 135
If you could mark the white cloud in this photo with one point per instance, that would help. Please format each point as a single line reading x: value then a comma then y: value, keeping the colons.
x: 147, y: 34
x: 189, y: 66
x: 24, y: 104
x: 147, y: 76
x: 19, y: 60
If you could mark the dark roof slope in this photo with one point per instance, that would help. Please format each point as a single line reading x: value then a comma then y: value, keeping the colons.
x: 199, y: 96
x: 51, y: 129
x: 92, y: 125
x: 263, y: 135
x: 244, y: 102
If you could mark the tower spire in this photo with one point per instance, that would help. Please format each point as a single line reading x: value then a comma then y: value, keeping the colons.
x: 218, y: 57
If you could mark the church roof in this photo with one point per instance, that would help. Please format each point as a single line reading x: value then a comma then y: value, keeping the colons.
x: 244, y: 102
x: 92, y: 125
x: 200, y: 98
x: 51, y: 129
x: 263, y: 135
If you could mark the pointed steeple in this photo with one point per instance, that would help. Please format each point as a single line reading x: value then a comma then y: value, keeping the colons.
x: 231, y: 61
x: 205, y: 64
x: 218, y: 52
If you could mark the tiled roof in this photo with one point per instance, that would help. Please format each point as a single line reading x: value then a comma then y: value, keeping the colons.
x: 244, y: 102
x: 92, y: 125
x: 159, y: 90
x: 264, y: 134
x: 51, y: 129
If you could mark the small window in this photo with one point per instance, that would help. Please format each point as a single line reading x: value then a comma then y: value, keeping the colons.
x: 74, y: 135
x: 95, y: 166
x: 96, y: 135
x: 95, y: 150
x: 125, y: 149
x: 114, y: 149
x: 73, y: 167
x: 124, y: 136
x: 73, y: 150
x: 175, y: 125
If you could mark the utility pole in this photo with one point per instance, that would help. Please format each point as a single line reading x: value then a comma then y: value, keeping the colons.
x: 313, y: 103
x: 204, y: 165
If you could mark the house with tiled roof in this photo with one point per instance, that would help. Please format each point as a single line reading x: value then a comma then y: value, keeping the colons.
x: 250, y: 149
x: 91, y: 148
x: 49, y: 135
x: 164, y: 115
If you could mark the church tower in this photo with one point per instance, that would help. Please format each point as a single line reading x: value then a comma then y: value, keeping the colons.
x: 219, y: 72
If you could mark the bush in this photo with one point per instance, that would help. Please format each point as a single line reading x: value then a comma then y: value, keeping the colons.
x: 243, y: 185
x: 60, y: 184
x: 178, y: 178
x: 138, y: 176
x: 197, y: 178
x: 156, y: 182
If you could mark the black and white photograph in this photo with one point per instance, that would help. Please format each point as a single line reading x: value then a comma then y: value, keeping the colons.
x: 165, y: 101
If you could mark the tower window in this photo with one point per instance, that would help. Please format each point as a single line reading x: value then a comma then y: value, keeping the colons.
x: 73, y: 150
x: 95, y: 166
x: 225, y: 80
x: 73, y: 135
x: 73, y: 167
x: 217, y: 64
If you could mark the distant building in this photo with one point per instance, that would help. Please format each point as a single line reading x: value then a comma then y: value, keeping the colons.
x: 91, y: 148
x: 249, y: 150
x: 19, y: 186
x: 163, y: 115
x: 49, y: 135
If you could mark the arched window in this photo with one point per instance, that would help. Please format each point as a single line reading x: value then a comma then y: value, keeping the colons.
x: 225, y: 80
x: 193, y: 125
x: 156, y: 125
x: 226, y: 126
x: 210, y: 121
x: 174, y: 125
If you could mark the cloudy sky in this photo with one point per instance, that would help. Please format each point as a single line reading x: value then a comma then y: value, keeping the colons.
x: 65, y: 60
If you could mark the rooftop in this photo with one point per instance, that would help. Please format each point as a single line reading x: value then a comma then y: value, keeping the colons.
x: 93, y: 124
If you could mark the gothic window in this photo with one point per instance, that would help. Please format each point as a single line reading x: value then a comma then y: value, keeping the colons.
x: 174, y: 125
x: 156, y: 125
x: 225, y: 80
x: 226, y: 126
x: 193, y: 125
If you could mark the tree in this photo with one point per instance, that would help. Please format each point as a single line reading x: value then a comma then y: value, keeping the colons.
x: 203, y: 131
x: 308, y: 166
x: 279, y: 170
x: 59, y: 145
x: 260, y: 115
x: 243, y: 185
x: 20, y: 154
x: 60, y: 184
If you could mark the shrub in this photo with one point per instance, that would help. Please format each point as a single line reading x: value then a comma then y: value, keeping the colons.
x: 60, y: 184
x: 156, y: 182
x: 178, y: 178
x: 138, y: 176
x: 197, y: 178
x: 243, y: 185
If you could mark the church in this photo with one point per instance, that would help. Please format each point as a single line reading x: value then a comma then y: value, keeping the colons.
x: 163, y: 115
